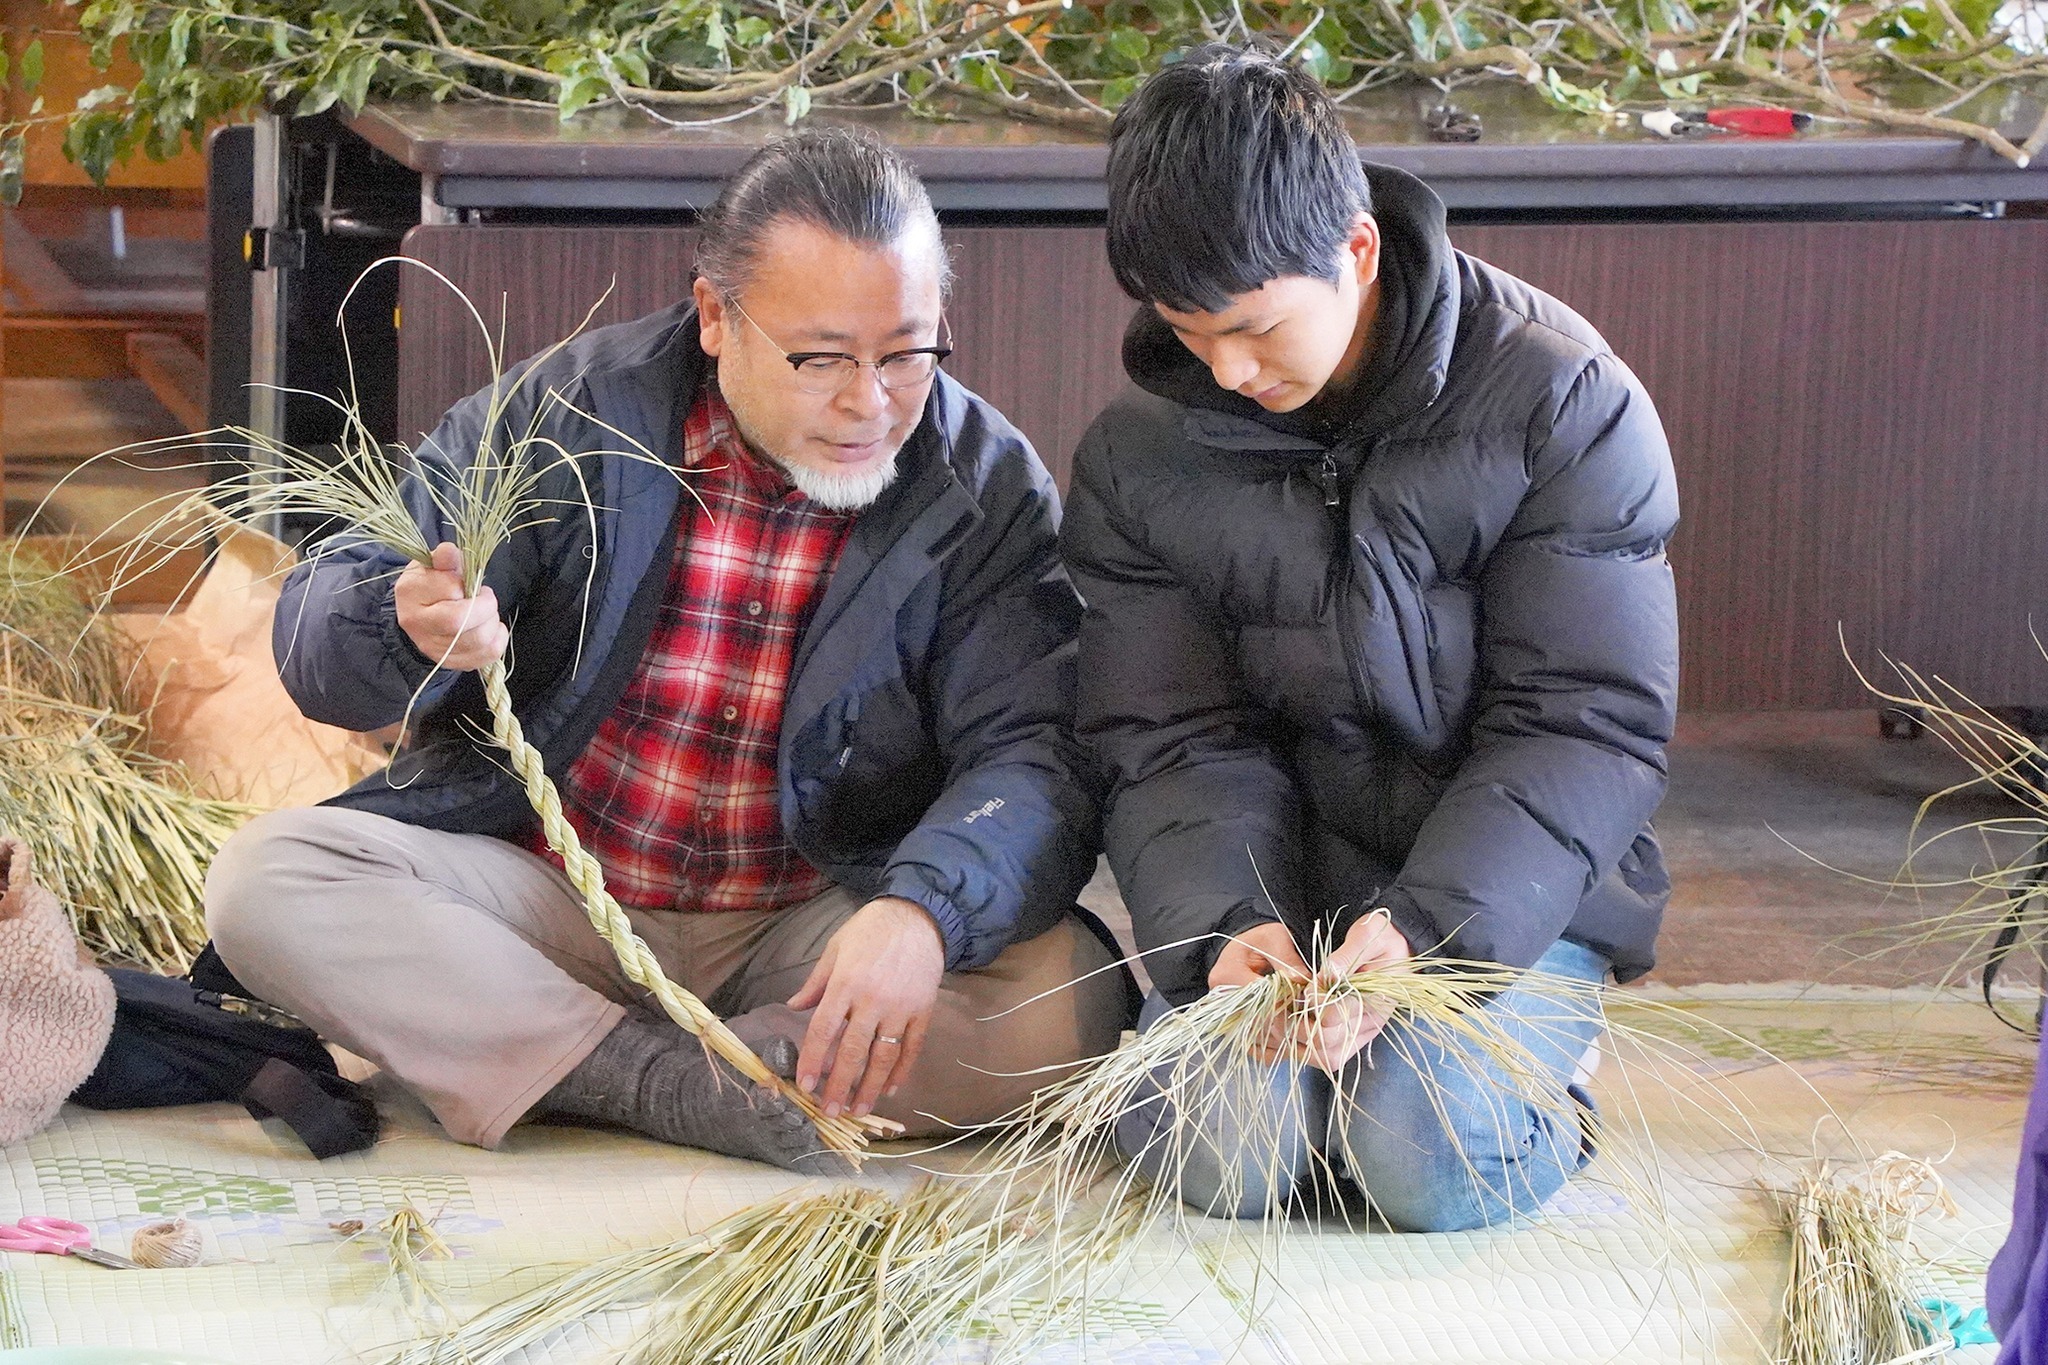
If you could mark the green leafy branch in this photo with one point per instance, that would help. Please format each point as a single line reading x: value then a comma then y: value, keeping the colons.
x: 1960, y: 68
x: 13, y: 146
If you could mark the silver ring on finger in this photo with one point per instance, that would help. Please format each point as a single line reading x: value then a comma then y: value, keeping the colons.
x: 885, y: 1038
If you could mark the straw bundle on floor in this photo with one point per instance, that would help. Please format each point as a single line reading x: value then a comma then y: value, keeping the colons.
x: 409, y: 1241
x: 1856, y: 1287
x: 853, y: 1276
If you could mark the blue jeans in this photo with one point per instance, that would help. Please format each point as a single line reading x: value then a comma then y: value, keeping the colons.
x: 1459, y: 1149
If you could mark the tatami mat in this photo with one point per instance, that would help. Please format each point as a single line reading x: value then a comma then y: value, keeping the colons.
x: 1666, y: 1260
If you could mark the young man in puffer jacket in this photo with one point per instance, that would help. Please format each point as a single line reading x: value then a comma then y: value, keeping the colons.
x: 1380, y: 650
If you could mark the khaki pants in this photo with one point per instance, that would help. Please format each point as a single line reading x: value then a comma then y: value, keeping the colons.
x: 466, y: 968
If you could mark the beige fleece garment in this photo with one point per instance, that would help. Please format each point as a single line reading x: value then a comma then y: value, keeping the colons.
x: 56, y: 1010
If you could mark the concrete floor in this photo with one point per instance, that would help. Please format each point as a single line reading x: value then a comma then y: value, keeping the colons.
x: 1785, y: 833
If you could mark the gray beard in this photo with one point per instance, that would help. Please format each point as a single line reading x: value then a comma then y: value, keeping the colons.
x: 842, y: 492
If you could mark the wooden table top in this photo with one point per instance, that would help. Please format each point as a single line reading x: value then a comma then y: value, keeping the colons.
x: 1531, y: 156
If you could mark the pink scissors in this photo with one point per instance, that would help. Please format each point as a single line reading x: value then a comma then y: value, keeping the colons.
x: 59, y: 1237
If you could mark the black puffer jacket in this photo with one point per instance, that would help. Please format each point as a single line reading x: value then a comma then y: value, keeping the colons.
x: 1424, y: 657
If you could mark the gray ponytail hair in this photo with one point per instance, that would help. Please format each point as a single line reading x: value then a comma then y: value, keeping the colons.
x: 843, y: 180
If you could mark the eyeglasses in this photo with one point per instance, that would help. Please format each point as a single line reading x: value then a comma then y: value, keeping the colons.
x: 827, y: 372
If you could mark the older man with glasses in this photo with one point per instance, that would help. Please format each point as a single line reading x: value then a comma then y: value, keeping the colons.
x: 807, y: 695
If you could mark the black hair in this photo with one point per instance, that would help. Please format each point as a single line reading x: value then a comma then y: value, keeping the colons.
x: 843, y: 180
x: 1228, y: 169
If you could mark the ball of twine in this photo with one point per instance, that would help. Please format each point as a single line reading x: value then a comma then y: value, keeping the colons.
x: 166, y: 1246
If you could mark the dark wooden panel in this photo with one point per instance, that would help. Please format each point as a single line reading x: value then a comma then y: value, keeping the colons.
x: 534, y: 284
x: 1858, y: 412
x: 1036, y: 317
x: 1039, y: 323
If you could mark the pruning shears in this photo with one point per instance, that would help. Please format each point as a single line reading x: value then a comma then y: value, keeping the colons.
x: 1747, y: 121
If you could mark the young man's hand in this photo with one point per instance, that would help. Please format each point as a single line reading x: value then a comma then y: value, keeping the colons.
x: 454, y: 631
x: 1260, y: 951
x: 1344, y: 1026
x: 871, y: 997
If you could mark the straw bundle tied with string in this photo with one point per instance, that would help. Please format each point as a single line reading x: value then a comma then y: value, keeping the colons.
x: 119, y: 836
x: 514, y: 479
x: 409, y: 1242
x: 1857, y: 1284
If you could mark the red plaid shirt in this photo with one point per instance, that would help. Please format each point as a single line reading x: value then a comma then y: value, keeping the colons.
x: 677, y: 796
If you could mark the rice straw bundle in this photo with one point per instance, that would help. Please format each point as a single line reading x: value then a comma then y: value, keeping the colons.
x: 119, y: 836
x: 1854, y: 1297
x: 514, y: 479
x: 1065, y: 1136
x: 52, y: 642
x: 409, y: 1238
x: 853, y: 1275
x: 409, y: 1241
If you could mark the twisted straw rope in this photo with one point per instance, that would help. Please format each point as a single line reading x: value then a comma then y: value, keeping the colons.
x: 847, y: 1136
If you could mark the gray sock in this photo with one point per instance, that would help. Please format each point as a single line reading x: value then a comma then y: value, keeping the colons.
x: 655, y: 1078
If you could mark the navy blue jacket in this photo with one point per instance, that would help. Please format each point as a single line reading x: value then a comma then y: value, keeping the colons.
x: 1420, y: 652
x: 927, y: 749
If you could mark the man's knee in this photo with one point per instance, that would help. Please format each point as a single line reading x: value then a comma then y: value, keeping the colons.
x: 257, y: 877
x: 1107, y: 994
x: 1059, y: 996
x: 1184, y: 1159
x: 1445, y: 1162
x: 1417, y: 1181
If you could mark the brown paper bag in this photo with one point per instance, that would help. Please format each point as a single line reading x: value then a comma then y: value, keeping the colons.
x: 219, y: 706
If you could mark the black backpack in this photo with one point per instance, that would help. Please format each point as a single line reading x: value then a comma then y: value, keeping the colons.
x: 200, y: 1039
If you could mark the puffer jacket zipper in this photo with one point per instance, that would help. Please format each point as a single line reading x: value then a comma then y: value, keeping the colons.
x: 1336, y: 499
x: 1330, y: 475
